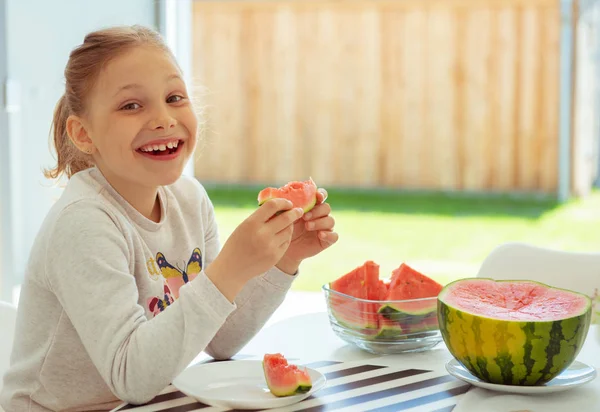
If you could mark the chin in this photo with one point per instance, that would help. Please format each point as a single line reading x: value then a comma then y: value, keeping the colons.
x: 166, y: 179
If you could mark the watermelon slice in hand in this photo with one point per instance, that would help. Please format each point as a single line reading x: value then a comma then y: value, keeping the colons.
x: 301, y: 194
x: 284, y: 379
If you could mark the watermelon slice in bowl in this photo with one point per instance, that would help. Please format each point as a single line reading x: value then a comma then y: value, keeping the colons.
x: 384, y: 317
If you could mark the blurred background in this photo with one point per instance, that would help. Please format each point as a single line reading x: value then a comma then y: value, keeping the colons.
x: 440, y: 128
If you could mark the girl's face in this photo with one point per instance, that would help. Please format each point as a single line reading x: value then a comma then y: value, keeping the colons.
x: 140, y: 120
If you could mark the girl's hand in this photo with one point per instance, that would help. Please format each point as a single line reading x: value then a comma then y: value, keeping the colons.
x: 255, y: 246
x: 312, y: 234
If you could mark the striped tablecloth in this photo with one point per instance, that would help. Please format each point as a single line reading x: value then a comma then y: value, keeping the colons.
x: 365, y: 385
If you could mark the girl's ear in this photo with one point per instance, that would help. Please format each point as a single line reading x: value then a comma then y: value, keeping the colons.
x: 78, y: 133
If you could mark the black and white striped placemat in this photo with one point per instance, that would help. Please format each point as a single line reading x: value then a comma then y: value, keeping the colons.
x: 351, y: 386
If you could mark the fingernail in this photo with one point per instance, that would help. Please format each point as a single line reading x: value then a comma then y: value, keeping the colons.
x: 322, y: 235
x: 299, y: 210
x: 310, y: 225
x: 308, y: 215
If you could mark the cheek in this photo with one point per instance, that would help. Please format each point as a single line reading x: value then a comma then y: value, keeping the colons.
x: 190, y: 122
x: 116, y: 135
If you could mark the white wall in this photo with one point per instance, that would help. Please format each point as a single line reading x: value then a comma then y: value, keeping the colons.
x: 40, y: 35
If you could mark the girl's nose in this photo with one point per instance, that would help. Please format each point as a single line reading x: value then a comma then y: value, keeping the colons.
x: 162, y: 121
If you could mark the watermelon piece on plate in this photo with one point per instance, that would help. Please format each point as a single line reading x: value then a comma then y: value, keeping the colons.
x: 284, y: 379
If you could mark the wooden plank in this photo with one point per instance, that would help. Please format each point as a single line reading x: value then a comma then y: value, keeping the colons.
x: 503, y: 83
x: 550, y: 112
x: 393, y: 84
x: 365, y: 78
x: 527, y: 161
x: 441, y: 166
x: 413, y: 99
x: 476, y: 131
x: 283, y: 140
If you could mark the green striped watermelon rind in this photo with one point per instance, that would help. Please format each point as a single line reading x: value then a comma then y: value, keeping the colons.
x: 396, y: 310
x: 548, y: 347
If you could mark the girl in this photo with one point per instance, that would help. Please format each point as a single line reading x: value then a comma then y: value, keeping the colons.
x: 127, y: 282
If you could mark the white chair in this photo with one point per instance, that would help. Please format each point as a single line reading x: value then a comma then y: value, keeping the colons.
x: 8, y: 317
x: 576, y: 271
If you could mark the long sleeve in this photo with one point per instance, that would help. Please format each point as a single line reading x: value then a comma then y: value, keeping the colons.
x: 255, y: 304
x: 89, y: 268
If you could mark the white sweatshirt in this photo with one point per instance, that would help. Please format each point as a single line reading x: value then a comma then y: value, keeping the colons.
x: 114, y: 305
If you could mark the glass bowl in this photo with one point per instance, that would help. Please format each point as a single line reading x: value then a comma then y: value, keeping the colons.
x: 384, y: 327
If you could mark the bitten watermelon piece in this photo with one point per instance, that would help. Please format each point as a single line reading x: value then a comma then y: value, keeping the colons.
x: 406, y: 284
x: 363, y: 283
x: 284, y: 379
x: 301, y: 194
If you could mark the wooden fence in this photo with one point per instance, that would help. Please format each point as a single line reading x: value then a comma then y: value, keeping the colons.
x: 427, y: 94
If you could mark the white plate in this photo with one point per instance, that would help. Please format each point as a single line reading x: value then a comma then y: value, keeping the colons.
x: 237, y: 385
x: 576, y: 374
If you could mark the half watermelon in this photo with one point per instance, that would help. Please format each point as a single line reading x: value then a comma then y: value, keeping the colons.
x: 284, y: 379
x: 301, y: 194
x: 513, y: 332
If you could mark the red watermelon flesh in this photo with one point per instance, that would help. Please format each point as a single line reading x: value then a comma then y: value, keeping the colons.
x: 363, y: 283
x: 382, y: 291
x: 301, y: 194
x: 407, y: 284
x: 284, y: 379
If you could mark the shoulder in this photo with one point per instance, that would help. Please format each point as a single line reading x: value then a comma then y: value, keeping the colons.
x: 85, y: 215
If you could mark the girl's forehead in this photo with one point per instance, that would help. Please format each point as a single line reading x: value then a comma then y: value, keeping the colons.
x: 136, y: 66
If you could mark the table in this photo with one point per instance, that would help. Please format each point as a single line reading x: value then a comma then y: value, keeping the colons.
x: 357, y: 380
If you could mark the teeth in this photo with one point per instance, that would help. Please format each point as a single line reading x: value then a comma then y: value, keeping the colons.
x: 161, y: 147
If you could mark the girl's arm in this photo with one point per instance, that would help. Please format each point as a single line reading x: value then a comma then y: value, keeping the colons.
x: 89, y: 266
x: 255, y: 304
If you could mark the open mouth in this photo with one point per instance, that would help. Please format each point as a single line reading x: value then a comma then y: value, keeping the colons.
x: 163, y: 149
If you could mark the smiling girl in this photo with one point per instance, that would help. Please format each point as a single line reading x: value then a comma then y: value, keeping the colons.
x: 127, y: 281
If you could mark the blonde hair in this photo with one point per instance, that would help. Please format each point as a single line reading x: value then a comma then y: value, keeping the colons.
x: 82, y: 70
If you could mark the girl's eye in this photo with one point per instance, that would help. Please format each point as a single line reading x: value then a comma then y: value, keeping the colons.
x: 175, y: 99
x: 130, y: 106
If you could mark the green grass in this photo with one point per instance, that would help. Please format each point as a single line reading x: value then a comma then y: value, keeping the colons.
x: 444, y: 235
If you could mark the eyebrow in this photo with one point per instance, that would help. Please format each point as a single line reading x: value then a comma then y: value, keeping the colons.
x: 139, y: 86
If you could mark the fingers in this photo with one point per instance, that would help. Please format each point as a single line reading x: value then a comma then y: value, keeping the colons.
x: 271, y: 207
x: 328, y: 238
x: 318, y: 211
x: 323, y: 223
x: 321, y: 195
x: 285, y: 220
x: 284, y: 237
